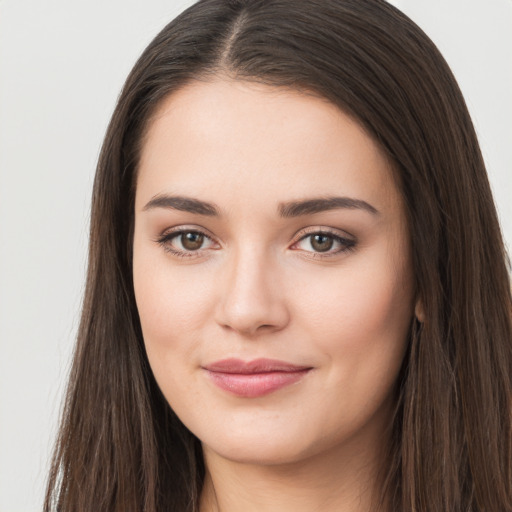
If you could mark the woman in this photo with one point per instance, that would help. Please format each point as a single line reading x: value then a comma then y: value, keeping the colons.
x: 297, y: 294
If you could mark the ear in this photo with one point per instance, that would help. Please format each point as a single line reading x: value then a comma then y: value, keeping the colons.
x: 419, y: 311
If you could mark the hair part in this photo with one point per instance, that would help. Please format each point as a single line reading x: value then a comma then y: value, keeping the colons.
x: 121, y: 447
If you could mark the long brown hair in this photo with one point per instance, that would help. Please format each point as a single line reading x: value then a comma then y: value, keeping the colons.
x: 121, y: 448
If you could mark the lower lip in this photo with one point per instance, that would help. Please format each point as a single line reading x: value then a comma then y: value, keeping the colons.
x: 253, y: 385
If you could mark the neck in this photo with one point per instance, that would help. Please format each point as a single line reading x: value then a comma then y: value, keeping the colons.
x: 347, y: 479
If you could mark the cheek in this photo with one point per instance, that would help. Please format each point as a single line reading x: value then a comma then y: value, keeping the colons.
x: 169, y: 299
x: 359, y: 320
x: 173, y: 307
x: 360, y: 315
x: 170, y: 313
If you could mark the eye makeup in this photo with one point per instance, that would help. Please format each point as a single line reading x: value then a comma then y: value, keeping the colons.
x: 317, y: 242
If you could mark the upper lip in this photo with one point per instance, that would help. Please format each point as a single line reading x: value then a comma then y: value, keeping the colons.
x: 239, y: 366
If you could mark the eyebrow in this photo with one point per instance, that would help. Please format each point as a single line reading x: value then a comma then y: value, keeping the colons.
x: 184, y: 204
x: 286, y: 210
x: 310, y: 206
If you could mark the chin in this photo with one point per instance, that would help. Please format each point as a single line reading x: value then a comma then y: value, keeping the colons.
x: 262, y: 451
x: 266, y: 444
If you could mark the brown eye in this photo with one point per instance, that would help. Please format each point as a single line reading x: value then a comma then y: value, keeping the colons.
x: 321, y: 243
x: 191, y: 240
x: 186, y: 243
x: 324, y: 244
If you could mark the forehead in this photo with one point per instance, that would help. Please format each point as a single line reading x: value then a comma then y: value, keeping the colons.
x: 245, y: 140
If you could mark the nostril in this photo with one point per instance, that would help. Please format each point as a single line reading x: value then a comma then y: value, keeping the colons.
x: 250, y: 298
x: 253, y: 322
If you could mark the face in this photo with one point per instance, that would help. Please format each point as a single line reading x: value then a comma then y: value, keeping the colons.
x: 272, y: 271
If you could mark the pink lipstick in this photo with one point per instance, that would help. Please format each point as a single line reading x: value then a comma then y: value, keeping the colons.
x: 255, y: 378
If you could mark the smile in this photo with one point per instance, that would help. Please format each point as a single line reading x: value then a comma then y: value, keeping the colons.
x: 254, y: 378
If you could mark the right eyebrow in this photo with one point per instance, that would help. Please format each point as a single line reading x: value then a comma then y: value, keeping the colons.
x: 184, y: 204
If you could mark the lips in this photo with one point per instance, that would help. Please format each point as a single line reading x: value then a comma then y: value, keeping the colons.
x: 250, y: 379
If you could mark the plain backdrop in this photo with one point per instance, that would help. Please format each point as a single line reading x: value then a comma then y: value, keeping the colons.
x: 62, y: 65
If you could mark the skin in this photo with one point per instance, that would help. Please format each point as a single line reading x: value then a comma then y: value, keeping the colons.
x: 258, y: 287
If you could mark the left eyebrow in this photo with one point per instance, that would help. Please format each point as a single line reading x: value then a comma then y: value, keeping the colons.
x: 317, y: 205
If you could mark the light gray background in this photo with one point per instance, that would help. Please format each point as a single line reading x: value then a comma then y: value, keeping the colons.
x: 62, y: 65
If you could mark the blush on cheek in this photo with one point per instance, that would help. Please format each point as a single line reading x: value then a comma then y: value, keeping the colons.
x: 368, y: 314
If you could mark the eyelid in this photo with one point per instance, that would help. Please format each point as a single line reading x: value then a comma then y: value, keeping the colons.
x: 180, y: 228
x: 312, y: 230
x: 169, y: 234
x: 348, y: 242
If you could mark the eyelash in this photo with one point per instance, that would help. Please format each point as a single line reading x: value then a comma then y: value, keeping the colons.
x: 347, y: 244
x: 165, y: 241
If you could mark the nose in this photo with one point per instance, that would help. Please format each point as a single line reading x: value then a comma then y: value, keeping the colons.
x: 252, y: 301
